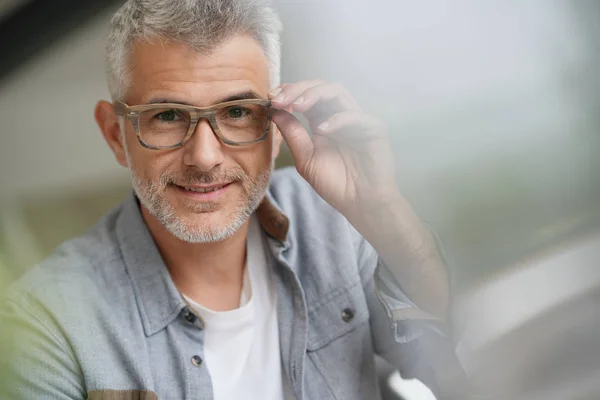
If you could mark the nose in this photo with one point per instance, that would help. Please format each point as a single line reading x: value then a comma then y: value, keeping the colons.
x: 204, y: 150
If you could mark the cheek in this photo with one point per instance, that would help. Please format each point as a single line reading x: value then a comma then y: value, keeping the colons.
x: 148, y: 164
x: 255, y: 159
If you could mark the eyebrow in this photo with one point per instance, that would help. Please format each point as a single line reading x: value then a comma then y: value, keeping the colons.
x: 238, y: 96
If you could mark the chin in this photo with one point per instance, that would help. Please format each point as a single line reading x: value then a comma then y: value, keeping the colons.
x: 204, y: 227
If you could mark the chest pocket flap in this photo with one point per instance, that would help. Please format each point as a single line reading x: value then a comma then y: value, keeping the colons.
x: 341, y: 313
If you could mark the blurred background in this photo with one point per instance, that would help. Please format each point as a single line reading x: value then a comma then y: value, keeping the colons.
x: 494, y: 109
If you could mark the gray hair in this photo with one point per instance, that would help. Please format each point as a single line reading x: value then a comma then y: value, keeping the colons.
x: 200, y: 24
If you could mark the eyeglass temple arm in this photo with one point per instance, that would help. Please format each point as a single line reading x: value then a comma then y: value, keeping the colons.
x: 120, y: 108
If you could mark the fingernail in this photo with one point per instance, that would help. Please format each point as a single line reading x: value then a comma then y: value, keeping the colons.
x: 324, y: 126
x: 279, y: 98
x: 275, y: 92
x: 299, y: 100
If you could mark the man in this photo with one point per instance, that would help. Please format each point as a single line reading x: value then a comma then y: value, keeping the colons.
x: 218, y: 279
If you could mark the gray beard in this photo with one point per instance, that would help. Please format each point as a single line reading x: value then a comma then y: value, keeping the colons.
x: 151, y: 193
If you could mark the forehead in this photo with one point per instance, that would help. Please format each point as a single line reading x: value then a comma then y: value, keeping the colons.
x: 171, y: 70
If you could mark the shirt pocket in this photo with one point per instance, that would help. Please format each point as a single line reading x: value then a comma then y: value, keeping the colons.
x: 342, y: 313
x: 340, y: 362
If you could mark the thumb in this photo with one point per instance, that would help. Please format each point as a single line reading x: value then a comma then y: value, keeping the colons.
x: 297, y: 138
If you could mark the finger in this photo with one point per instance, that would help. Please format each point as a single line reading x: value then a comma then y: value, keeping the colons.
x: 352, y: 125
x: 276, y: 90
x: 297, y: 138
x: 325, y: 93
x: 290, y: 92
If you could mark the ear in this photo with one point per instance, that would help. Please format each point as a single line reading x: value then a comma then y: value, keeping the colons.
x: 108, y: 123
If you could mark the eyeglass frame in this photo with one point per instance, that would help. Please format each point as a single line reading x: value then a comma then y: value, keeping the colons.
x: 209, y: 113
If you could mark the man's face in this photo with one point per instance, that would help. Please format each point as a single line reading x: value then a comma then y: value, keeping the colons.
x: 174, y: 73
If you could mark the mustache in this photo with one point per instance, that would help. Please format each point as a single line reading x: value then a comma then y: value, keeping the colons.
x: 194, y: 177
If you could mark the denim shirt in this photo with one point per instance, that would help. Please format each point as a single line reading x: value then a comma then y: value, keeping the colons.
x: 102, y: 319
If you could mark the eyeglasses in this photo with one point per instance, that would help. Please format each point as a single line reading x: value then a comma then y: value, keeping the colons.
x: 168, y: 126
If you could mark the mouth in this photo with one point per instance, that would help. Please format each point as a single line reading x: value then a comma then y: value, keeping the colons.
x: 204, y: 192
x: 203, y: 189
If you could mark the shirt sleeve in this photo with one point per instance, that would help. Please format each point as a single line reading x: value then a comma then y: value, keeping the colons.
x: 413, y: 341
x: 37, y: 363
x: 408, y: 321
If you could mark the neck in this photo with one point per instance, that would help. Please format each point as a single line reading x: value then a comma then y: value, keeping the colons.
x: 210, y: 274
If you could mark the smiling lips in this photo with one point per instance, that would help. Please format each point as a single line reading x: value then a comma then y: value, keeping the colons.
x: 205, y: 193
x: 204, y: 189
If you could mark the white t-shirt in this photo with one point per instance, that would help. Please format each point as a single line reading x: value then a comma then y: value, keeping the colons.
x: 241, y: 346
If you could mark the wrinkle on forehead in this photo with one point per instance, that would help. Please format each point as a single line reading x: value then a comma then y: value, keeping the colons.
x: 200, y: 94
x: 237, y: 65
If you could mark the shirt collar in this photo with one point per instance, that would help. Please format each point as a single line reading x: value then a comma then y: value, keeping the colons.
x: 272, y: 219
x: 158, y: 298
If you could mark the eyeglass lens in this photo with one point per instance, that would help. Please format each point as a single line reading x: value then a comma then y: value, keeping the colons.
x: 163, y: 127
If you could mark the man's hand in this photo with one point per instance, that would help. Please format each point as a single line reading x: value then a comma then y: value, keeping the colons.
x: 350, y: 163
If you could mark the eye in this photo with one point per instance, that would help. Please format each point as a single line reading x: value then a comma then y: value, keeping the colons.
x: 237, y: 112
x: 168, y: 116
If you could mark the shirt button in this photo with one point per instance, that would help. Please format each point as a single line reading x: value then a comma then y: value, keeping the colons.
x: 189, y: 316
x: 196, y: 361
x: 347, y: 314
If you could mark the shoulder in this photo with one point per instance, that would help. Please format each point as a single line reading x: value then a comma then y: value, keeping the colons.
x: 310, y: 216
x: 317, y: 230
x: 298, y: 200
x: 287, y: 180
x: 76, y: 269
